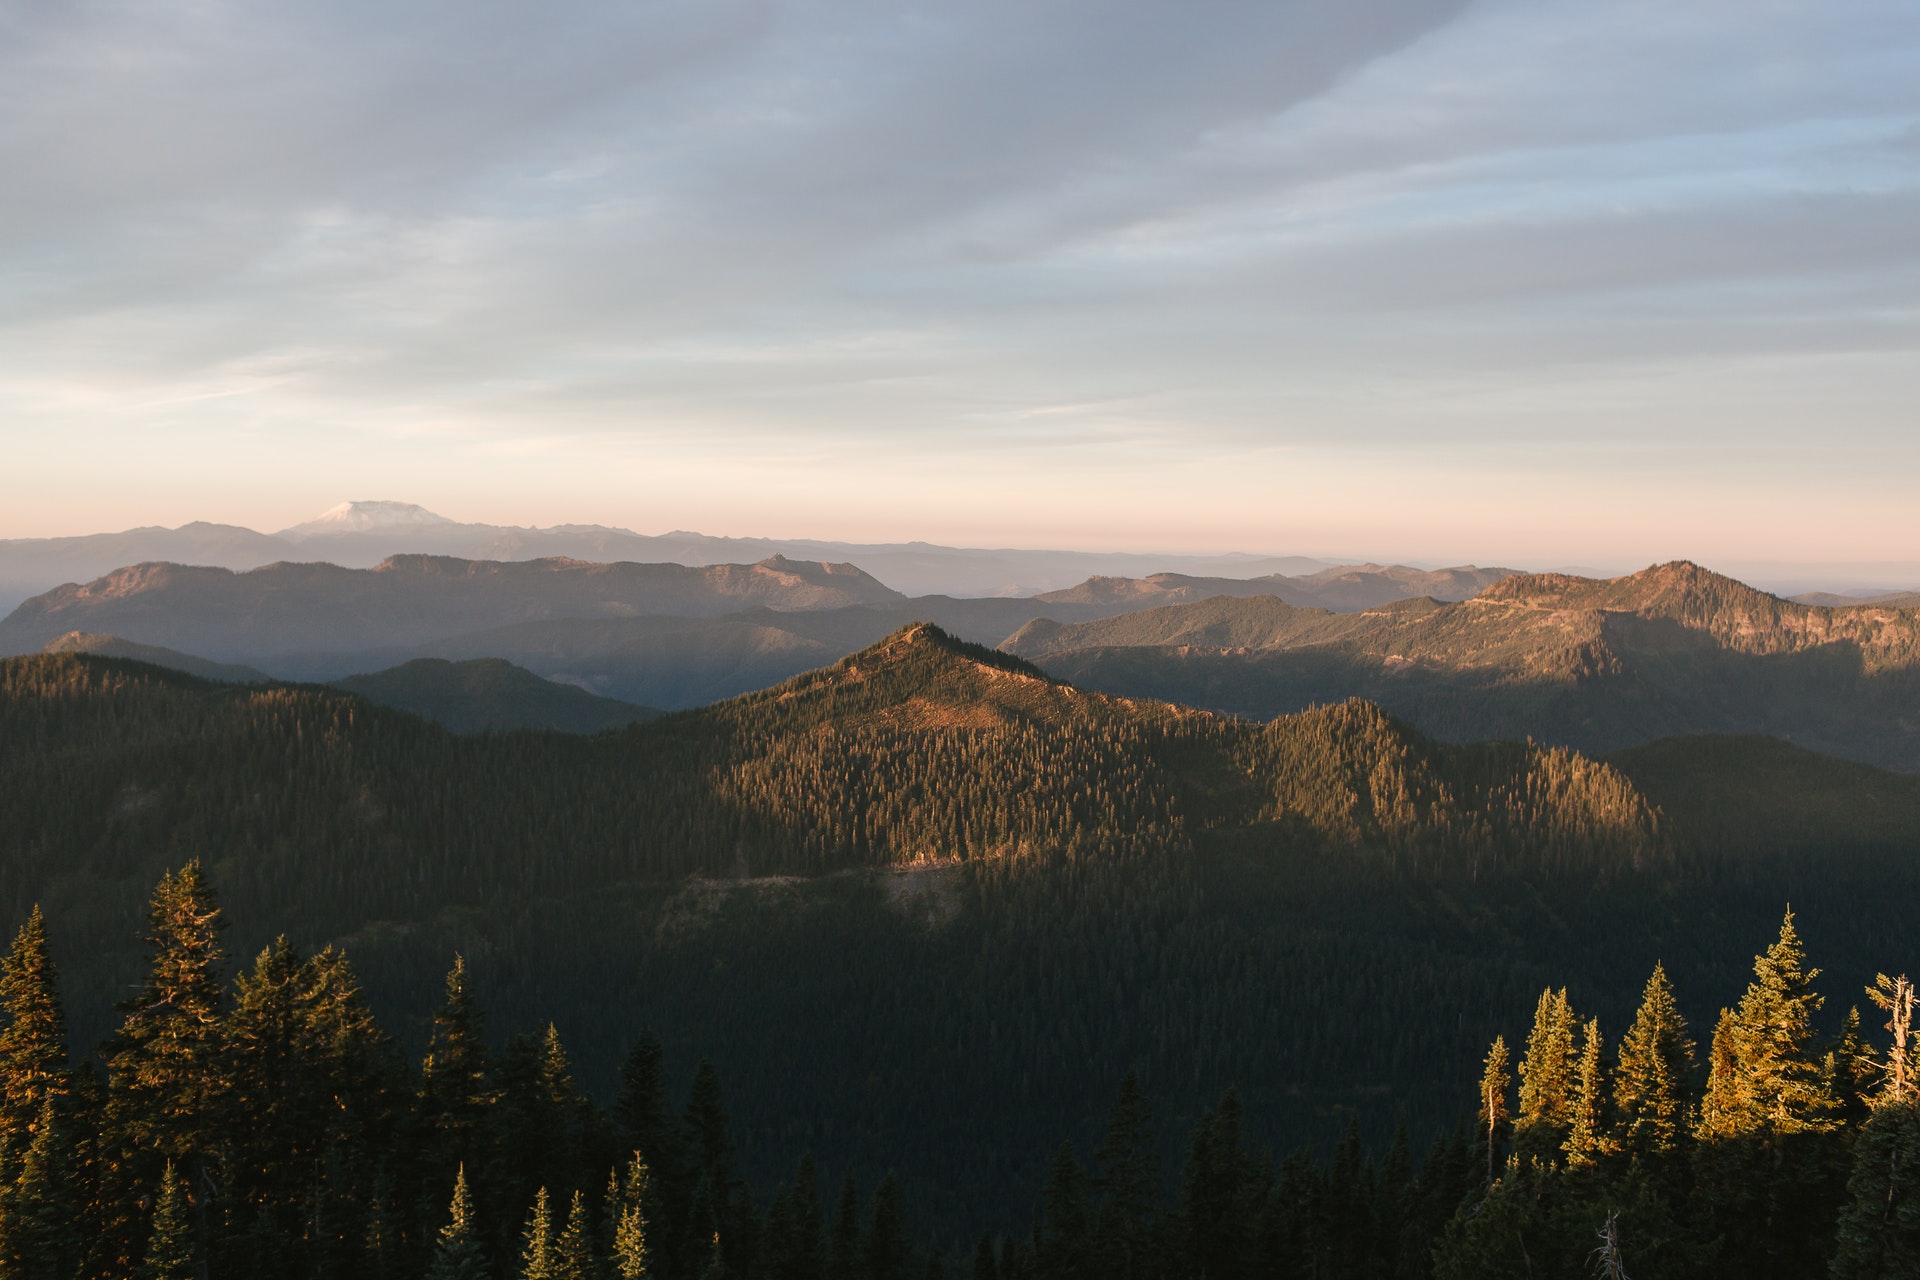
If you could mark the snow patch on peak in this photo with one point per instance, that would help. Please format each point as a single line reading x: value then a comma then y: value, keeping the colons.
x: 365, y: 517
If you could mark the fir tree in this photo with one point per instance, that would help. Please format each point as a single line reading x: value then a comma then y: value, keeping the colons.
x: 1546, y: 1078
x: 986, y: 1266
x: 1127, y: 1182
x: 39, y: 1231
x: 1066, y: 1228
x: 1494, y: 1113
x: 1878, y: 1234
x: 573, y: 1251
x: 170, y: 1247
x: 537, y: 1258
x: 33, y: 1042
x: 888, y: 1255
x: 1583, y: 1144
x: 626, y: 1209
x: 1765, y: 1075
x: 1652, y: 1075
x: 459, y: 1253
x: 454, y: 1076
x: 167, y: 1064
x: 848, y: 1260
x: 806, y: 1252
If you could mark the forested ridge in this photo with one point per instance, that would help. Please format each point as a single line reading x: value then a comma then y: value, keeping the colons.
x: 925, y: 909
x: 274, y: 1130
x: 1595, y: 664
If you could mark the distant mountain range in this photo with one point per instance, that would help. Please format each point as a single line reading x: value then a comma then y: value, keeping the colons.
x: 656, y: 634
x: 1596, y: 664
x: 359, y: 535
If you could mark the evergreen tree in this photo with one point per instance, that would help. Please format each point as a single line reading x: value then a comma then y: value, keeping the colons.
x: 1065, y: 1223
x: 1494, y: 1112
x: 1584, y: 1144
x: 1765, y: 1074
x: 986, y: 1266
x: 170, y: 1247
x: 33, y: 1041
x: 1652, y: 1075
x: 888, y: 1256
x: 454, y: 1076
x: 39, y: 1231
x: 537, y: 1255
x: 640, y: 1111
x: 459, y: 1253
x: 1769, y: 1166
x: 848, y: 1260
x: 1546, y: 1079
x: 167, y: 1064
x: 806, y: 1249
x: 573, y: 1252
x: 1878, y: 1234
x: 626, y: 1209
x: 1127, y: 1182
x: 1219, y: 1193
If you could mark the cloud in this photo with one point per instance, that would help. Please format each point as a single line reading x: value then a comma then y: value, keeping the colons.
x: 1120, y: 232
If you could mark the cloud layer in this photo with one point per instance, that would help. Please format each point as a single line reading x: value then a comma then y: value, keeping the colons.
x: 1545, y: 280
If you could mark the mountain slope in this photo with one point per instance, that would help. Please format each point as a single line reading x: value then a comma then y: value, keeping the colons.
x: 1596, y: 664
x: 925, y: 903
x: 1343, y: 589
x: 115, y: 647
x: 491, y: 693
x: 293, y: 607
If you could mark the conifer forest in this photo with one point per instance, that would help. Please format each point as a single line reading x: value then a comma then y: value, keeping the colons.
x: 927, y: 964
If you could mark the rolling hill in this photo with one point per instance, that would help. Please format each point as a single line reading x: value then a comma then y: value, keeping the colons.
x: 491, y: 694
x: 172, y: 660
x: 1596, y: 664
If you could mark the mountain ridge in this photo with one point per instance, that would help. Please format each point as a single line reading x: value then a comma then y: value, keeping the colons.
x: 1592, y: 663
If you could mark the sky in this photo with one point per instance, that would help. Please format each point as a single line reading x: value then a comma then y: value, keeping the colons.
x: 1532, y: 283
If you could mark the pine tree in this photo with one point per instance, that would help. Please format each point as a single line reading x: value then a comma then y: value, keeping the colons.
x: 537, y: 1260
x: 454, y: 1076
x: 1765, y: 1076
x: 39, y: 1232
x: 33, y: 1042
x: 1583, y: 1145
x: 1652, y: 1074
x: 1494, y: 1113
x: 1218, y: 1194
x: 626, y: 1209
x: 167, y: 1064
x: 573, y: 1252
x: 1546, y: 1079
x: 848, y: 1261
x: 806, y: 1254
x: 459, y: 1253
x: 888, y: 1255
x: 1066, y: 1226
x: 1128, y: 1185
x: 170, y: 1247
x: 1878, y: 1235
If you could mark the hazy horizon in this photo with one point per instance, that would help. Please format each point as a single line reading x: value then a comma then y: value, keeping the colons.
x: 1536, y: 284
